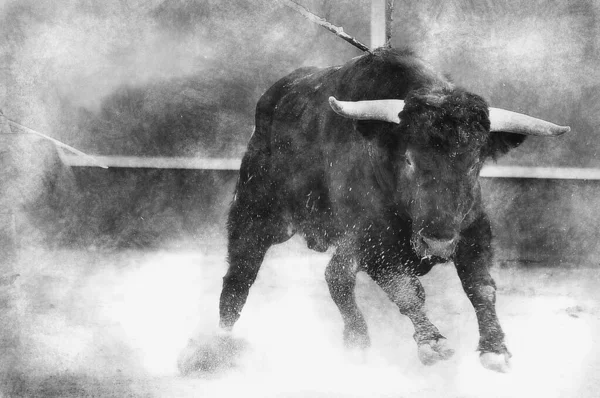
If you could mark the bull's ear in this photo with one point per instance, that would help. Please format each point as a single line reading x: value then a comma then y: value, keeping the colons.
x: 502, y: 142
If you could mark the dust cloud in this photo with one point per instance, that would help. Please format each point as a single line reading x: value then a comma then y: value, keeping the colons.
x: 117, y: 77
x: 114, y: 324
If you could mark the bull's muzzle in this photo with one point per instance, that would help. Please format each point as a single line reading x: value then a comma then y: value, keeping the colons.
x: 426, y: 247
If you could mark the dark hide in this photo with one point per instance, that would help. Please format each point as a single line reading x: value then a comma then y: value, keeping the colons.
x: 393, y: 200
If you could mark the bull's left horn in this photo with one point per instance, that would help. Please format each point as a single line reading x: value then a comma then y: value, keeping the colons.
x: 513, y: 122
x: 386, y: 110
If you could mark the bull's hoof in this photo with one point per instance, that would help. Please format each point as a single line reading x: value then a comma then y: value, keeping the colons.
x: 317, y: 244
x: 496, y: 362
x: 432, y: 351
x: 210, y: 354
x: 356, y: 338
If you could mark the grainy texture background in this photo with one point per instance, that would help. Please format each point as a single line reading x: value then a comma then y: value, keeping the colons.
x: 116, y: 269
x: 181, y: 77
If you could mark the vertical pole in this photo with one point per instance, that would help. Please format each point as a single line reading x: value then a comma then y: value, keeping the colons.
x: 381, y: 23
x: 10, y: 311
x: 8, y: 224
x: 389, y: 9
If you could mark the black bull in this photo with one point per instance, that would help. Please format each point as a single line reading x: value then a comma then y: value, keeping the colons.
x: 391, y: 185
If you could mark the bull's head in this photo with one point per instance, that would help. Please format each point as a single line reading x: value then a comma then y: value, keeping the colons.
x: 442, y: 139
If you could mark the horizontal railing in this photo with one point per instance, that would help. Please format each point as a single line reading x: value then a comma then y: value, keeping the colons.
x: 555, y: 173
x: 141, y: 162
x: 490, y: 170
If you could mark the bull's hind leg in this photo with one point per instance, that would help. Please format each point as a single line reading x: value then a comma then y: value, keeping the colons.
x: 247, y: 246
x: 245, y: 258
x: 405, y: 290
x: 340, y: 275
x: 252, y: 228
x: 251, y: 233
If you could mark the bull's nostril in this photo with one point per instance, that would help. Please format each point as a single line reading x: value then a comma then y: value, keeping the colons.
x: 438, y: 235
x: 428, y: 246
x: 438, y: 244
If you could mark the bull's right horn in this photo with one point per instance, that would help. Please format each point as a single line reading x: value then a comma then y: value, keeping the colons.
x: 386, y: 110
x: 513, y: 122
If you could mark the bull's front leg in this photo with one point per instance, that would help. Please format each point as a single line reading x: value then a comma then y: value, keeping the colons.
x: 405, y: 290
x: 473, y: 260
x: 340, y: 275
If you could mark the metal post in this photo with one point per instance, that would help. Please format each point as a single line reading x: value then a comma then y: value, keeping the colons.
x: 381, y: 23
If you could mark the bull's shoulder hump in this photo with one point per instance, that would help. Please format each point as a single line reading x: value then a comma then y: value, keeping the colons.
x: 302, y: 81
x: 306, y: 89
x: 387, y: 73
x: 309, y: 80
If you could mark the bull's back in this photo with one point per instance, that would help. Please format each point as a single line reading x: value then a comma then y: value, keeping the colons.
x: 288, y: 122
x: 288, y: 110
x: 280, y: 144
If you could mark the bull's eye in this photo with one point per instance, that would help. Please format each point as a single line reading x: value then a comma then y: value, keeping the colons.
x: 473, y: 169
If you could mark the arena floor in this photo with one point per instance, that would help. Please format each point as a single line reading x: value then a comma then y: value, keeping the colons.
x: 94, y: 324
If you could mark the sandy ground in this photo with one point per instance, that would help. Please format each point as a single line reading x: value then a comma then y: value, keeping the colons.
x: 113, y: 324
